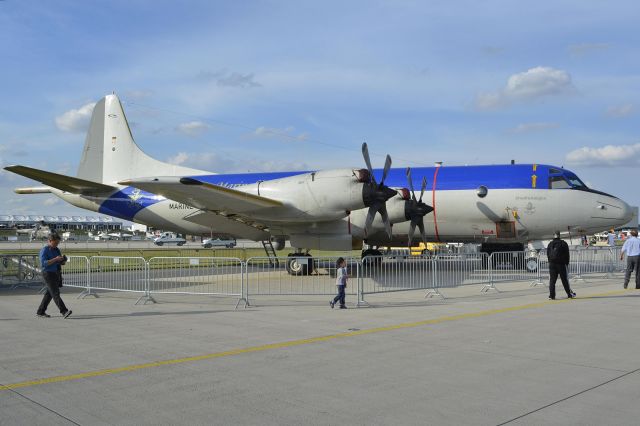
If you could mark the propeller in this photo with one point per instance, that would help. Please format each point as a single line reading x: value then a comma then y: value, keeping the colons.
x: 375, y: 195
x: 415, y: 210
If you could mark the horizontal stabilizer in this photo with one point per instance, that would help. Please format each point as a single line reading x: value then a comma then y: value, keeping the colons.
x: 203, y: 195
x: 64, y: 183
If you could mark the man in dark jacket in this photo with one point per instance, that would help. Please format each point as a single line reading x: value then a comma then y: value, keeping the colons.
x: 51, y: 261
x: 558, y: 256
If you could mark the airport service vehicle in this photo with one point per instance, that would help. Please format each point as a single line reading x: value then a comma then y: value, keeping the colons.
x: 39, y: 232
x: 499, y: 206
x: 169, y: 238
x: 217, y: 242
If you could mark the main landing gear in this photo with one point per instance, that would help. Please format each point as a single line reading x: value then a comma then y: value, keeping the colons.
x: 299, y: 264
x: 371, y: 257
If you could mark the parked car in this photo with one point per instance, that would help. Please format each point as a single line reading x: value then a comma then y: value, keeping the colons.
x: 169, y: 238
x: 217, y: 242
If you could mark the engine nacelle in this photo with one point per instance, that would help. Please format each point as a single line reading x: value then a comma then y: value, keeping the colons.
x: 323, y: 195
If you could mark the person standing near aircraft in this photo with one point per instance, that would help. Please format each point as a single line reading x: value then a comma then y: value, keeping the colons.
x: 341, y: 283
x: 611, y: 239
x: 632, y: 248
x: 558, y: 255
x: 51, y: 261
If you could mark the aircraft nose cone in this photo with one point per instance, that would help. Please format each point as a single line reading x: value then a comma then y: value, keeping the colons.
x: 626, y: 212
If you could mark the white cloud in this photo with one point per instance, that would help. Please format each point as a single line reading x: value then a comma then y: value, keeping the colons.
x: 606, y: 156
x: 220, y: 163
x: 529, y: 85
x: 585, y: 48
x: 75, y: 120
x: 193, y: 128
x: 178, y: 159
x: 286, y: 134
x: 532, y: 127
x: 50, y: 201
x: 229, y: 79
x: 620, y: 111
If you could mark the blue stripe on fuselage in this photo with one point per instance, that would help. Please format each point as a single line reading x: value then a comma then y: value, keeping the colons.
x: 449, y: 178
x: 127, y: 202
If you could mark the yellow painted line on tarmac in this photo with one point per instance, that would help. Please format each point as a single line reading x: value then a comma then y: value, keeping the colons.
x: 291, y: 343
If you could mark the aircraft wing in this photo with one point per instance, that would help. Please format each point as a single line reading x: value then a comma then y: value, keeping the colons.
x: 203, y: 195
x: 236, y: 226
x: 70, y: 184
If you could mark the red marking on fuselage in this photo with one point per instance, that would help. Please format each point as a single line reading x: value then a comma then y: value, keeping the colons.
x: 433, y: 202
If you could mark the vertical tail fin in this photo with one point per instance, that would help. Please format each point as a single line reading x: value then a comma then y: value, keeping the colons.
x: 110, y: 154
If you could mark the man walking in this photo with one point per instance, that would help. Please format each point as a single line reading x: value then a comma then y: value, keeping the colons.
x: 51, y: 261
x: 632, y: 248
x: 558, y: 256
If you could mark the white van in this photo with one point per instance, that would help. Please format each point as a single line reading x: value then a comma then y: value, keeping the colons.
x: 217, y: 242
x: 169, y: 238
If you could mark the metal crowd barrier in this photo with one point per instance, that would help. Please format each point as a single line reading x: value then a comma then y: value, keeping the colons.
x: 384, y: 274
x: 217, y: 276
x: 263, y: 277
x: 19, y: 270
x: 77, y: 273
x: 306, y: 276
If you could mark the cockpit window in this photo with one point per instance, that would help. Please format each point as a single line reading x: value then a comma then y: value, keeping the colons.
x: 558, y: 182
x: 576, y: 182
x: 566, y: 181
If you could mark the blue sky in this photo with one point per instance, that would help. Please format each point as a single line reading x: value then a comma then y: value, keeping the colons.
x: 279, y: 85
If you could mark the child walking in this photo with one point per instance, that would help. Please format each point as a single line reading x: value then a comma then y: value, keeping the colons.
x: 341, y: 283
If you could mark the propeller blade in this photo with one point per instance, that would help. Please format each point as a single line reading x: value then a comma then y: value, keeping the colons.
x: 371, y: 215
x: 424, y: 186
x: 410, y: 181
x: 422, y: 231
x: 412, y: 230
x: 367, y: 160
x: 385, y: 172
x: 385, y: 219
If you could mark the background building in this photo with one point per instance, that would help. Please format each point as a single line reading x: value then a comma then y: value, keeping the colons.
x: 61, y: 223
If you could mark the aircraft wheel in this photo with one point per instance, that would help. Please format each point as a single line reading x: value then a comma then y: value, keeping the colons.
x: 532, y: 264
x: 375, y: 260
x: 299, y: 264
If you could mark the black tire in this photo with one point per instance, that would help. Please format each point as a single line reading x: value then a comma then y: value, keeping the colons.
x: 371, y: 261
x: 299, y: 264
x: 180, y: 244
x: 207, y: 246
x: 531, y: 264
x: 160, y: 243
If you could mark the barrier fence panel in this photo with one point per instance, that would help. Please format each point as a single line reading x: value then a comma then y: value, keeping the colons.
x: 461, y: 269
x: 20, y: 270
x: 514, y: 266
x: 384, y: 274
x: 75, y: 273
x: 306, y: 276
x: 118, y: 273
x: 196, y: 275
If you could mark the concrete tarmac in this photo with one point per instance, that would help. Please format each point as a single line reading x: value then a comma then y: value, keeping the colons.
x: 472, y: 359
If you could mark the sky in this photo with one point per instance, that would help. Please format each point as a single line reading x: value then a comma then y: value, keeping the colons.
x: 292, y: 85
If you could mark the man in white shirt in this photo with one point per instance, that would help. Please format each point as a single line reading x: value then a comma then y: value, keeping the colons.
x: 632, y: 248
